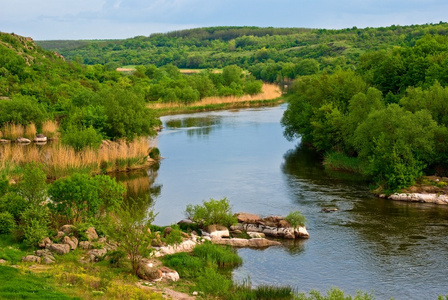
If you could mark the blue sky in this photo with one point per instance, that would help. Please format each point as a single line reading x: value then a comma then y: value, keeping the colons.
x: 104, y: 19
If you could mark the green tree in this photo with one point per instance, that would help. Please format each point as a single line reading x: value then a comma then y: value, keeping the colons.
x: 211, y: 212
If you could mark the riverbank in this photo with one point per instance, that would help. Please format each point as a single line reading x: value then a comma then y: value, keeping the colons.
x: 270, y: 96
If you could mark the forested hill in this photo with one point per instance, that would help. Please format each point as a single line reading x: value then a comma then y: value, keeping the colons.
x: 216, y: 47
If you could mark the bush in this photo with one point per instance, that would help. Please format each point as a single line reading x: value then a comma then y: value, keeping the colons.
x: 211, y: 212
x: 34, y: 223
x: 33, y: 186
x: 80, y: 138
x: 7, y: 222
x: 295, y: 218
x: 14, y: 204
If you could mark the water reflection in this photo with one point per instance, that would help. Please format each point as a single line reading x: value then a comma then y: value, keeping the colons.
x: 195, y: 126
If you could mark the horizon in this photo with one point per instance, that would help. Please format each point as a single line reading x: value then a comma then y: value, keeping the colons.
x: 122, y: 19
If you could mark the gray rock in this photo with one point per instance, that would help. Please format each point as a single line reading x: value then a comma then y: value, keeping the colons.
x: 71, y: 241
x: 96, y: 254
x: 86, y: 245
x: 48, y: 260
x: 44, y: 242
x: 67, y: 229
x: 60, y: 248
x: 31, y: 258
x: 149, y: 271
x: 23, y: 140
x: 59, y: 235
x: 91, y: 234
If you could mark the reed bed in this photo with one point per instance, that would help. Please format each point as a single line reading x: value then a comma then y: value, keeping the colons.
x: 269, y: 92
x: 50, y: 129
x: 13, y: 131
x: 59, y: 160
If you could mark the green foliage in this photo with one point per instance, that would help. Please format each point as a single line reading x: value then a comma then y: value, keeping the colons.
x: 80, y: 138
x: 80, y: 197
x: 224, y: 257
x: 10, y: 249
x: 7, y: 222
x: 174, y: 237
x: 296, y: 219
x: 247, y: 292
x: 211, y: 282
x: 130, y: 229
x: 34, y: 224
x: 333, y: 294
x: 211, y: 212
x: 33, y: 186
x: 13, y: 204
x: 188, y: 266
x: 22, y: 110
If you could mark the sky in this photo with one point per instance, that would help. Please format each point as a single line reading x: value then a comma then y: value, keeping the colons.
x: 119, y: 19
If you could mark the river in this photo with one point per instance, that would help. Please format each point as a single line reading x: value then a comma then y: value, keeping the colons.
x: 392, y: 249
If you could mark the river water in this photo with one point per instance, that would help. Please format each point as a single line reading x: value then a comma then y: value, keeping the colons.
x: 392, y: 249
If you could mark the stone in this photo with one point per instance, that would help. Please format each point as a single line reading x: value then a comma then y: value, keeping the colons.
x: 237, y: 231
x: 262, y: 243
x: 31, y: 258
x: 48, y: 260
x: 185, y: 221
x: 86, y: 245
x: 247, y: 218
x: 148, y: 271
x: 72, y: 241
x: 185, y: 246
x: 91, y: 234
x: 218, y: 231
x: 3, y: 141
x: 195, y: 293
x: 167, y: 231
x: 23, y: 140
x: 68, y: 229
x: 44, y: 242
x: 2, y: 261
x: 255, y: 235
x: 60, y: 248
x: 40, y: 138
x: 59, y: 235
x: 236, y: 242
x: 301, y: 232
x: 96, y: 254
x: 169, y: 274
x: 236, y: 227
x: 253, y: 228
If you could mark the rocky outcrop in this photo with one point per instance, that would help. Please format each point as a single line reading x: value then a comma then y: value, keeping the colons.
x: 149, y: 270
x: 91, y: 234
x: 419, y: 197
x: 59, y: 248
x: 31, y: 258
x: 169, y: 274
x: 253, y: 243
x: 22, y: 140
x: 185, y: 246
x: 46, y: 256
x: 40, y: 138
x: 46, y: 241
x: 71, y: 241
x: 67, y: 229
x: 86, y: 245
x: 248, y: 218
x: 217, y: 231
x: 95, y: 255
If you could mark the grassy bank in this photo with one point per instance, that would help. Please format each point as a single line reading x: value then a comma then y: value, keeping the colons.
x: 270, y: 96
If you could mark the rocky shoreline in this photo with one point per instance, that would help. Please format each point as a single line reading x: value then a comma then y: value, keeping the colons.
x: 418, y: 197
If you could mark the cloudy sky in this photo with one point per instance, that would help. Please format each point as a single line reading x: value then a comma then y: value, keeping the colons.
x: 104, y: 19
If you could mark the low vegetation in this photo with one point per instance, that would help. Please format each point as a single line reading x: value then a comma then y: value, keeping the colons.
x: 211, y: 212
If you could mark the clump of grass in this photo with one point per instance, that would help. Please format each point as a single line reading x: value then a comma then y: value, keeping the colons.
x: 247, y: 292
x: 50, y: 129
x: 186, y: 265
x: 224, y: 257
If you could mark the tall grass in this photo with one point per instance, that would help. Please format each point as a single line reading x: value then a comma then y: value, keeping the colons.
x: 50, y: 129
x: 341, y: 162
x: 269, y: 92
x: 59, y: 160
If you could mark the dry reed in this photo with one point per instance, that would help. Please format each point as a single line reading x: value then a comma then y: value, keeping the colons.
x: 50, y: 129
x: 12, y: 131
x: 269, y: 92
x: 59, y: 160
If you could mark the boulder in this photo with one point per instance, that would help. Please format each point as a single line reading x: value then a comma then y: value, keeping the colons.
x: 59, y: 235
x: 256, y: 235
x: 72, y: 241
x: 262, y: 243
x: 185, y: 221
x: 167, y: 231
x: 22, y: 140
x: 31, y: 258
x: 46, y: 255
x: 236, y: 227
x: 149, y: 271
x: 218, y: 231
x: 40, y: 138
x: 48, y: 260
x: 185, y: 246
x: 236, y: 242
x: 86, y: 245
x: 247, y: 218
x: 67, y: 229
x: 2, y: 261
x: 46, y: 241
x: 60, y: 248
x: 96, y: 254
x: 301, y: 232
x: 169, y: 274
x: 3, y: 141
x: 91, y: 234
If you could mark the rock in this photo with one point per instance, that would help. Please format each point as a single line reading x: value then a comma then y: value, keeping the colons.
x: 185, y: 246
x: 253, y: 228
x: 102, y: 240
x: 40, y: 138
x: 72, y: 241
x: 262, y: 243
x: 167, y: 231
x: 148, y: 271
x: 96, y: 254
x: 86, y: 245
x: 218, y: 231
x: 184, y: 235
x: 46, y: 255
x: 48, y: 260
x: 22, y: 140
x: 247, y: 218
x: 283, y: 224
x: 195, y: 293
x: 91, y: 234
x: 256, y: 235
x: 60, y: 248
x: 185, y: 221
x: 301, y: 232
x: 67, y: 229
x: 59, y: 235
x: 236, y: 227
x: 46, y: 241
x: 2, y: 261
x: 31, y: 258
x: 169, y: 274
x: 3, y: 141
x: 237, y: 231
x: 236, y: 242
x: 421, y: 197
x: 327, y: 210
x: 273, y: 219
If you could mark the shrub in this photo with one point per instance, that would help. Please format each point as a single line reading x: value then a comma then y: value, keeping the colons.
x: 7, y: 222
x: 34, y: 223
x: 33, y: 186
x: 211, y: 212
x: 80, y: 138
x: 213, y: 283
x: 174, y: 237
x: 296, y: 218
x: 14, y: 204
